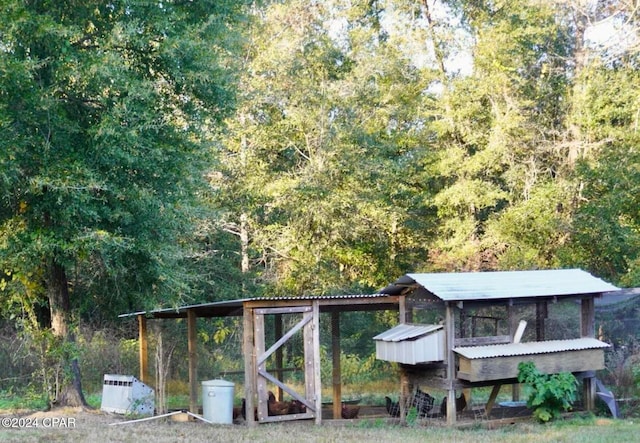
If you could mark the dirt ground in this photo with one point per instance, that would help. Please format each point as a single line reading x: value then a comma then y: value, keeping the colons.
x: 81, y: 425
x: 77, y: 425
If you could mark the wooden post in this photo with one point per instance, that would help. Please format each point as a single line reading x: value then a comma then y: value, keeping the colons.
x: 259, y: 344
x: 541, y: 314
x: 249, y: 365
x: 517, y: 336
x: 335, y: 356
x: 193, y: 360
x: 143, y: 349
x: 279, y: 358
x: 402, y: 310
x: 316, y: 360
x: 588, y: 329
x: 513, y: 325
x: 406, y: 389
x: 451, y: 363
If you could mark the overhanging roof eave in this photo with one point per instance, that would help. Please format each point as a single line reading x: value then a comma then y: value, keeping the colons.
x: 354, y: 302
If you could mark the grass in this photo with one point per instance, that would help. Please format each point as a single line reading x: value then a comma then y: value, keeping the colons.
x: 95, y: 426
x: 9, y: 401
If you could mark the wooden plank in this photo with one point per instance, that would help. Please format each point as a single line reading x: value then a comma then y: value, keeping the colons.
x: 406, y: 388
x: 277, y: 330
x: 541, y: 315
x: 143, y: 349
x: 587, y: 318
x: 310, y: 405
x: 496, y: 368
x: 588, y: 329
x: 288, y: 310
x: 193, y: 360
x: 482, y: 341
x: 492, y: 399
x: 261, y: 382
x: 287, y: 417
x: 402, y: 310
x: 265, y: 355
x: 249, y: 364
x: 336, y: 378
x: 450, y: 329
x: 315, y: 326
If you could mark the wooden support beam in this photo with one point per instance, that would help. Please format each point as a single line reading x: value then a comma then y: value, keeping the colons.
x: 492, y: 399
x: 587, y: 318
x: 588, y: 329
x: 315, y: 325
x: 279, y: 357
x: 450, y: 329
x: 143, y: 349
x: 402, y: 310
x: 517, y: 336
x: 193, y: 361
x: 335, y: 357
x: 249, y: 365
x: 261, y: 364
x: 406, y: 389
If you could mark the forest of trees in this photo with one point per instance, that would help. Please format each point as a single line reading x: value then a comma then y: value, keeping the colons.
x: 162, y: 153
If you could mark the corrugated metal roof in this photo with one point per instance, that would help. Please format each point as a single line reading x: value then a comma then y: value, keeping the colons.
x: 468, y: 286
x: 406, y: 332
x: 236, y: 305
x: 538, y: 347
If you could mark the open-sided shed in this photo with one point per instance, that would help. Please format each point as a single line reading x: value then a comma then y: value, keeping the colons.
x: 306, y: 311
x: 456, y: 294
x: 472, y: 360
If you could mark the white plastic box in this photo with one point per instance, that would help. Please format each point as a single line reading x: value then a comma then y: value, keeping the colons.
x: 125, y: 394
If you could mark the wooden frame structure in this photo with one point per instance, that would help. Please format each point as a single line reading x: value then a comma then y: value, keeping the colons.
x: 256, y: 374
x: 452, y: 293
x: 456, y: 293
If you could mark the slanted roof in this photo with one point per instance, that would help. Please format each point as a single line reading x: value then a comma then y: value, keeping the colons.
x: 352, y: 302
x: 530, y: 348
x: 406, y: 332
x: 481, y: 286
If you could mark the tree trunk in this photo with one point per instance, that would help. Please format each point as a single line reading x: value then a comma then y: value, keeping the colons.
x: 70, y: 392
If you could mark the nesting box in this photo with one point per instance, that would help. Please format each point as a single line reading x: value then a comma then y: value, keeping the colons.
x: 498, y: 362
x: 411, y: 344
x: 125, y: 394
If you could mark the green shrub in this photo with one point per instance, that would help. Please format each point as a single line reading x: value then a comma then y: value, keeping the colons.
x: 551, y: 394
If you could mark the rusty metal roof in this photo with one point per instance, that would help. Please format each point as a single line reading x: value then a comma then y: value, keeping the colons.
x: 480, y: 286
x: 529, y: 348
x: 406, y: 332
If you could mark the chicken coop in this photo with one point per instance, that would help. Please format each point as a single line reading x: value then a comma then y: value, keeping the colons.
x: 290, y: 318
x: 481, y: 312
x: 448, y: 323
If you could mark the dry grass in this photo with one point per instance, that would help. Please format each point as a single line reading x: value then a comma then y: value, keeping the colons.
x: 93, y: 426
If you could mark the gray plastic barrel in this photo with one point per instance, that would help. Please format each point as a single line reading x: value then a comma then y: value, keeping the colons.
x: 217, y: 401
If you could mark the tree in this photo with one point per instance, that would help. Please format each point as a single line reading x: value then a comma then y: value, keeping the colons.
x: 606, y: 224
x: 322, y: 152
x: 102, y: 109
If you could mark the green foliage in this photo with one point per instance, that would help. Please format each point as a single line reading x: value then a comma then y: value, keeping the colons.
x: 167, y: 152
x: 412, y: 416
x: 105, y: 110
x: 551, y: 394
x: 314, y: 159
